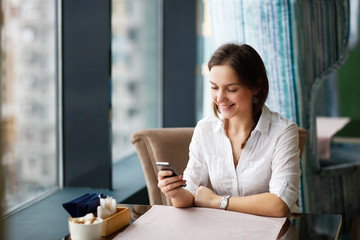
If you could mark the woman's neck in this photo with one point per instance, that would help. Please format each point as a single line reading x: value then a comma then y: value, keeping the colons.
x: 239, y: 125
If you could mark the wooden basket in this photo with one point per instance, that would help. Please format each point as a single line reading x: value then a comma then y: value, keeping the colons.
x: 115, y: 222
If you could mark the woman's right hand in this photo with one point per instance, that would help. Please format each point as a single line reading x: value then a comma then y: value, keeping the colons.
x: 170, y: 186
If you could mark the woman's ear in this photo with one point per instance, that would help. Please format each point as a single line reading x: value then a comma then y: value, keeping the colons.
x: 255, y: 91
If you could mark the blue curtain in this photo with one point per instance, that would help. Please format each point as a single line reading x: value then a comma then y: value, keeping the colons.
x: 301, y: 42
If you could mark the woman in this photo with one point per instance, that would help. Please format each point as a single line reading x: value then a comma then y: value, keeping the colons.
x: 248, y: 153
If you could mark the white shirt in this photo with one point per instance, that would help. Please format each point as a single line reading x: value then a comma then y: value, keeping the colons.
x: 269, y: 161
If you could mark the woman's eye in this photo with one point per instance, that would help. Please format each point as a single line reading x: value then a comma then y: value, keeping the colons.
x: 232, y: 90
x: 213, y: 87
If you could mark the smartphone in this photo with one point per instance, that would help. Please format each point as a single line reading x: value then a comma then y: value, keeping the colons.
x: 167, y: 166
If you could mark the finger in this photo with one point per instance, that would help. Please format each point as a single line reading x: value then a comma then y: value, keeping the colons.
x: 169, y: 184
x: 168, y: 180
x: 164, y: 174
x: 174, y: 185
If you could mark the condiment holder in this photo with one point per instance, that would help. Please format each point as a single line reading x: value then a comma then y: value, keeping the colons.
x: 80, y: 231
x: 115, y: 222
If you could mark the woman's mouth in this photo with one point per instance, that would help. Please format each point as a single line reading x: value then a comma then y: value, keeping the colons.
x: 226, y: 107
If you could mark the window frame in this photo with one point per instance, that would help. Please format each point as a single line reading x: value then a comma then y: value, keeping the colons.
x: 86, y: 72
x: 177, y: 82
x: 179, y: 63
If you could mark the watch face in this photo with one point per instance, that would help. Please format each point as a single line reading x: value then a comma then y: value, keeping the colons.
x: 223, y: 203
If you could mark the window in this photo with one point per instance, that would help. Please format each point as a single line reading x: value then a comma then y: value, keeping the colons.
x: 135, y: 75
x: 205, y: 47
x: 29, y: 100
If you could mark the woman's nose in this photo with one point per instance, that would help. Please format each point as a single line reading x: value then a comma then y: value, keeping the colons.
x: 220, y: 96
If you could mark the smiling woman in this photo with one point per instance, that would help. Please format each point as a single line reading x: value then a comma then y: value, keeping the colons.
x: 243, y: 66
x: 248, y: 153
x: 229, y: 95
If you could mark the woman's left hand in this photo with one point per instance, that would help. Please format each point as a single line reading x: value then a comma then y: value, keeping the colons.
x: 204, y: 197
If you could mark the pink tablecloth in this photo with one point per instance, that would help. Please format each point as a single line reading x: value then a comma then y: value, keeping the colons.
x: 165, y: 222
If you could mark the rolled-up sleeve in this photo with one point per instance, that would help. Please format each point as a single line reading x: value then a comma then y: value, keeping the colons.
x: 285, y: 167
x: 196, y: 172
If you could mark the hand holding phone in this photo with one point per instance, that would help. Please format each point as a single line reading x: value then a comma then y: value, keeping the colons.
x: 167, y: 166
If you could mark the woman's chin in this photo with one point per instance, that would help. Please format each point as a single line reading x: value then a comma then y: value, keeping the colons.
x: 226, y: 115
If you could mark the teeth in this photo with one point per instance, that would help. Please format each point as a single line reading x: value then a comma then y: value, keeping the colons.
x: 226, y: 107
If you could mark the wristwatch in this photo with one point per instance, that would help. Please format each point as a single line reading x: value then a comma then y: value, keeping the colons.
x: 224, y: 202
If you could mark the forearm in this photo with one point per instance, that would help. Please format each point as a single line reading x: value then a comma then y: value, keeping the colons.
x: 183, y: 198
x: 264, y: 204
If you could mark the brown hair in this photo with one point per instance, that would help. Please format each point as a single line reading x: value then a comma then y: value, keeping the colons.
x: 249, y: 68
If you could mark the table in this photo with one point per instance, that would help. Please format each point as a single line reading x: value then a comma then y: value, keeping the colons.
x: 350, y: 133
x: 345, y: 147
x: 309, y: 226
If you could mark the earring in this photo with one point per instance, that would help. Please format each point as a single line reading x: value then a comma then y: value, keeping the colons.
x: 255, y: 100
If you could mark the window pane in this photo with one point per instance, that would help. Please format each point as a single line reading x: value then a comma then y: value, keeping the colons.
x: 205, y: 47
x: 28, y: 100
x: 134, y: 71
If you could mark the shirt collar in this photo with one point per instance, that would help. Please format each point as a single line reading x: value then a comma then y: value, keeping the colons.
x: 219, y: 124
x: 262, y: 126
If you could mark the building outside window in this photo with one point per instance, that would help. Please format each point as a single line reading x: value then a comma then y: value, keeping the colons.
x: 205, y: 47
x: 135, y: 71
x: 29, y: 100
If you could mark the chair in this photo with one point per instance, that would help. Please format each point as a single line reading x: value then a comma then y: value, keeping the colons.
x: 169, y: 145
